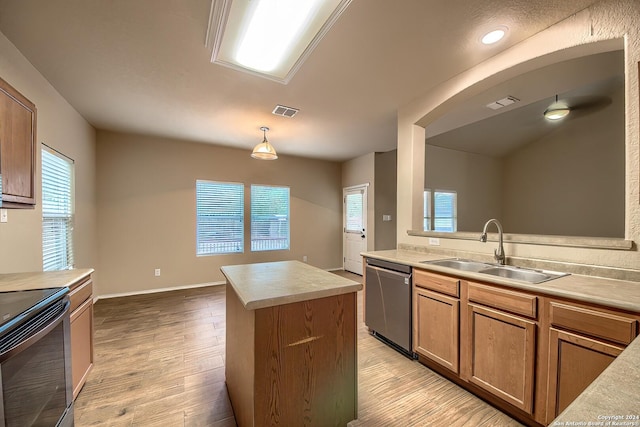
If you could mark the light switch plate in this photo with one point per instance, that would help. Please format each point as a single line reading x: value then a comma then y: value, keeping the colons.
x: 3, y: 215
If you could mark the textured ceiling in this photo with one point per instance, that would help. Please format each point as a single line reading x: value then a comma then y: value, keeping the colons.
x: 141, y: 66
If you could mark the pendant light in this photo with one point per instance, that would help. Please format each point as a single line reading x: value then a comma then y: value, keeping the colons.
x: 264, y: 150
x: 556, y: 111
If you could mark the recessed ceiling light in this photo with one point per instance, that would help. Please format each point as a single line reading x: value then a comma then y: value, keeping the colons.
x: 494, y: 36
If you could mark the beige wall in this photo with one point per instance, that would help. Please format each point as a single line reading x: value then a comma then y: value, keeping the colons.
x: 147, y: 218
x: 477, y: 179
x: 385, y: 200
x: 571, y: 181
x: 62, y: 128
x: 596, y: 29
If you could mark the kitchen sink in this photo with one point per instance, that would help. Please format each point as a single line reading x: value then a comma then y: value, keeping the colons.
x: 508, y: 272
x: 522, y: 274
x: 460, y: 264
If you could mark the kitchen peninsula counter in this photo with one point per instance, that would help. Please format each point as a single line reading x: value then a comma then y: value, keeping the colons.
x: 291, y: 345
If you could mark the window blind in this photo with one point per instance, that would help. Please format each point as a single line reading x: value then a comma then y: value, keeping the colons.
x: 269, y: 218
x: 57, y: 211
x: 219, y: 217
x: 445, y: 211
x: 353, y: 220
x: 440, y: 211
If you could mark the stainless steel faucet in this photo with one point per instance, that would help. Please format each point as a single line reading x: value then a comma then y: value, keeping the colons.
x: 498, y: 253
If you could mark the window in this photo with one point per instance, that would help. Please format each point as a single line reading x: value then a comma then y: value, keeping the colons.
x: 57, y: 210
x: 219, y: 217
x: 353, y: 220
x: 440, y: 211
x: 269, y: 218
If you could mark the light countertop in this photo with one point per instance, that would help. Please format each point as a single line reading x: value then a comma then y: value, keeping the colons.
x: 42, y: 279
x: 620, y: 294
x: 276, y: 283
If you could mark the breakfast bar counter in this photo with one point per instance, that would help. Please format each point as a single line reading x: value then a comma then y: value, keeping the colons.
x: 290, y: 345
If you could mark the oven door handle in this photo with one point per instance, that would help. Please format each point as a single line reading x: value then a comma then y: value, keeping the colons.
x: 32, y: 339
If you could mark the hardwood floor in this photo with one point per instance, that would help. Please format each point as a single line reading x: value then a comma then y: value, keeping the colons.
x: 159, y: 361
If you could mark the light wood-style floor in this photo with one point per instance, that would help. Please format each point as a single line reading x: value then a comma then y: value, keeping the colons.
x: 159, y: 361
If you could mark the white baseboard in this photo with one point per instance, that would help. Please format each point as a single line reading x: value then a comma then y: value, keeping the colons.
x: 174, y: 288
x: 157, y: 290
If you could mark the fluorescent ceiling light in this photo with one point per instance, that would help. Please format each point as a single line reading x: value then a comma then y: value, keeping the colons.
x: 269, y: 38
x: 273, y: 26
x: 494, y: 36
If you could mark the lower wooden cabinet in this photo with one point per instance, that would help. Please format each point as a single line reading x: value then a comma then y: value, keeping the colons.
x: 574, y: 362
x: 501, y: 352
x: 81, y: 297
x: 583, y: 341
x: 436, y: 327
x: 529, y: 354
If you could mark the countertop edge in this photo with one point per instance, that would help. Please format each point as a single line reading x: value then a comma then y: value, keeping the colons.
x: 42, y: 279
x: 287, y: 295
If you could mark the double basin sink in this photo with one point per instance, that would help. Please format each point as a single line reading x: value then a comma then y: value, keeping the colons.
x: 507, y: 271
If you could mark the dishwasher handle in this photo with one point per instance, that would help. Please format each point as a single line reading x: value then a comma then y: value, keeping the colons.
x: 397, y: 274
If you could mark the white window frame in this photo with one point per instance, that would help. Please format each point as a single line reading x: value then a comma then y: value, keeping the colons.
x: 58, y: 210
x: 279, y: 230
x: 211, y: 239
x: 430, y: 218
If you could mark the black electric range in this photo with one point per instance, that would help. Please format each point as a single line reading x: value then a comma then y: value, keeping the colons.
x: 17, y: 307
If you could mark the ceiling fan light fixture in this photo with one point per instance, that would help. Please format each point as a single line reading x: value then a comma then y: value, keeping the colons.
x: 556, y: 111
x: 264, y: 150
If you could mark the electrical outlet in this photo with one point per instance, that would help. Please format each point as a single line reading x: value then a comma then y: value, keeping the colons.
x: 434, y: 241
x: 157, y: 272
x: 3, y: 215
x: 304, y: 258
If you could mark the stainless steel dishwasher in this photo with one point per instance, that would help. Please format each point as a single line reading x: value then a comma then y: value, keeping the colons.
x: 388, y: 303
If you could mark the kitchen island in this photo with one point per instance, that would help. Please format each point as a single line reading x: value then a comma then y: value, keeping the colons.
x: 291, y: 356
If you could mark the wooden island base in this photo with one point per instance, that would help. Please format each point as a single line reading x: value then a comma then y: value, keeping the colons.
x: 292, y: 364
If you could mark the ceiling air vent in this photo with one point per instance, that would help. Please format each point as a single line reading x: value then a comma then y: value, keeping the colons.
x: 500, y: 103
x: 283, y: 111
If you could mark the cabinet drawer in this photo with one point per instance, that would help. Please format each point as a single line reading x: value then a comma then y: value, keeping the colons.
x: 80, y: 292
x: 503, y: 299
x: 436, y: 282
x: 612, y: 327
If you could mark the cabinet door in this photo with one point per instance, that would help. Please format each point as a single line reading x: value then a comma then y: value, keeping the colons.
x: 81, y: 344
x: 17, y: 145
x: 436, y: 331
x: 574, y: 362
x: 501, y: 355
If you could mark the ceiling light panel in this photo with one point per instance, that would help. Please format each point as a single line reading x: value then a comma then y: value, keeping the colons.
x: 269, y: 38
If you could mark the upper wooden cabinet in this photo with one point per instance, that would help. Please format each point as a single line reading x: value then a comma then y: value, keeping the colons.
x: 17, y: 148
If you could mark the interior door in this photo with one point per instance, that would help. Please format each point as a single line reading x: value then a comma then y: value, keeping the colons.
x: 355, y: 227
